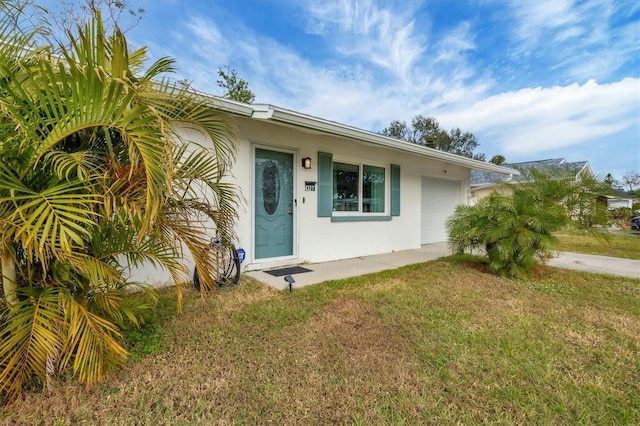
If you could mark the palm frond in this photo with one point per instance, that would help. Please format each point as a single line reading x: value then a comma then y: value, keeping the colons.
x: 81, y: 165
x: 54, y: 219
x: 96, y: 178
x: 30, y: 332
x: 121, y: 303
x: 92, y: 347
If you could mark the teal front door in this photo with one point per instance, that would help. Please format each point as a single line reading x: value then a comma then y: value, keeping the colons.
x: 273, y: 233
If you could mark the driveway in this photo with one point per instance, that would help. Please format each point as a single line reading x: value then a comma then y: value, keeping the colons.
x: 599, y: 264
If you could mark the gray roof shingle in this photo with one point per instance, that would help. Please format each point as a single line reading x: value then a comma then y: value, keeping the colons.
x: 481, y: 178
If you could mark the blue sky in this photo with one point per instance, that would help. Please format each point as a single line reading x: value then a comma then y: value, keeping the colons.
x: 532, y: 79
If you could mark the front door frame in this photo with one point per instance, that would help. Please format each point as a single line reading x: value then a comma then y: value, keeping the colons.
x: 294, y: 174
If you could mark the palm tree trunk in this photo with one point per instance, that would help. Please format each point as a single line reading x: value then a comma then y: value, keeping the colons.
x: 51, y: 368
x: 9, y: 276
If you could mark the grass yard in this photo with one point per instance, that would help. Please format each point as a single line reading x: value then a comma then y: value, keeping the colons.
x: 441, y: 342
x: 620, y: 244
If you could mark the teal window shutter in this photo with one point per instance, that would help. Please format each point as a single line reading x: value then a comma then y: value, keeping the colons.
x: 325, y: 184
x: 395, y: 190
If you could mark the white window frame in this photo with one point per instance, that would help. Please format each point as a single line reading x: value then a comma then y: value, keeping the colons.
x: 387, y: 188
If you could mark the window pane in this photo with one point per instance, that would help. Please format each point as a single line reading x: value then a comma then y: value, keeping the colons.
x: 345, y: 187
x: 270, y: 188
x: 372, y: 189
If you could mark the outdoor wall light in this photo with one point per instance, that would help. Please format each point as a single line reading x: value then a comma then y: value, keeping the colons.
x: 306, y: 163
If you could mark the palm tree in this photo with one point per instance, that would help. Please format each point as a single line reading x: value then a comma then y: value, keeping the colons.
x: 95, y: 178
x: 516, y: 225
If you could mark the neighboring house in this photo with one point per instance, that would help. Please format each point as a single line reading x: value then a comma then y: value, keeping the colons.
x: 317, y: 190
x: 619, y: 202
x: 484, y: 182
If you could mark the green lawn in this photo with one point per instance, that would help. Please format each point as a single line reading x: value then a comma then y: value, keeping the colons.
x: 617, y: 244
x: 441, y: 342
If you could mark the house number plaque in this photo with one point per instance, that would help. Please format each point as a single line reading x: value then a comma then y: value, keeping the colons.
x: 309, y: 186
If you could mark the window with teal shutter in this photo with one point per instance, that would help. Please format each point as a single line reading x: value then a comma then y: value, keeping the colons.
x: 325, y: 184
x: 395, y: 190
x: 356, y: 188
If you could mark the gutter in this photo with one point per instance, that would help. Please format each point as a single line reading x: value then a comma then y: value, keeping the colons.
x: 232, y: 107
x: 489, y: 185
x: 359, y: 135
x: 283, y: 116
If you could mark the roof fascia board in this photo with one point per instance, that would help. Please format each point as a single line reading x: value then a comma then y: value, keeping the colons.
x: 227, y: 105
x: 587, y: 167
x: 331, y: 127
x: 279, y: 115
x: 233, y: 107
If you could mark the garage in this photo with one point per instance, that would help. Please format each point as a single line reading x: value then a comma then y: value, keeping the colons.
x: 439, y: 200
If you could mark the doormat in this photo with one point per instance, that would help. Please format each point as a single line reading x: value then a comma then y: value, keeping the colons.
x: 288, y: 271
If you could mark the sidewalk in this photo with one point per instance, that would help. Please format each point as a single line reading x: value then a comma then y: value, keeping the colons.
x: 346, y: 268
x: 368, y: 264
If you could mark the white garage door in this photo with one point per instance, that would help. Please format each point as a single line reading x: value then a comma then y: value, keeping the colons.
x: 439, y: 200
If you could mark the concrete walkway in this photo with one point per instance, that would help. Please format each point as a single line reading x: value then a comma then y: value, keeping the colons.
x: 368, y: 264
x: 346, y: 268
x: 598, y: 264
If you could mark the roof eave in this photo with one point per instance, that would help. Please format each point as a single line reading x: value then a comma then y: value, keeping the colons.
x: 287, y: 117
x: 342, y: 130
x: 233, y: 107
x: 496, y: 184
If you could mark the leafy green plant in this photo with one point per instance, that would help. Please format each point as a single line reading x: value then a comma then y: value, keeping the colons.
x: 515, y: 226
x: 148, y: 338
x: 95, y: 179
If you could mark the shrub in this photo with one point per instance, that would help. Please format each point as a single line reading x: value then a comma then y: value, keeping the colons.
x: 515, y: 226
x: 95, y: 180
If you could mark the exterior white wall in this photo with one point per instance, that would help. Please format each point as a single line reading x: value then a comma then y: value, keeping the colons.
x: 158, y: 276
x: 317, y: 239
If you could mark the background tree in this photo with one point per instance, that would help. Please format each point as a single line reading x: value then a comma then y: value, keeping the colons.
x: 609, y: 179
x: 121, y: 13
x: 235, y: 87
x: 515, y: 226
x: 94, y: 180
x: 57, y: 17
x: 399, y: 130
x: 631, y: 183
x: 498, y: 160
x: 462, y: 143
x: 426, y: 131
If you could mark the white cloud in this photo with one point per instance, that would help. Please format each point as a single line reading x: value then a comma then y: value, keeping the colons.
x: 382, y: 36
x: 538, y: 20
x: 347, y: 87
x: 279, y: 75
x: 577, y: 39
x: 537, y: 119
x: 211, y: 43
x: 377, y: 67
x: 454, y: 44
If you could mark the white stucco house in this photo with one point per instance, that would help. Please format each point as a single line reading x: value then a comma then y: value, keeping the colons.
x: 317, y: 190
x: 362, y: 194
